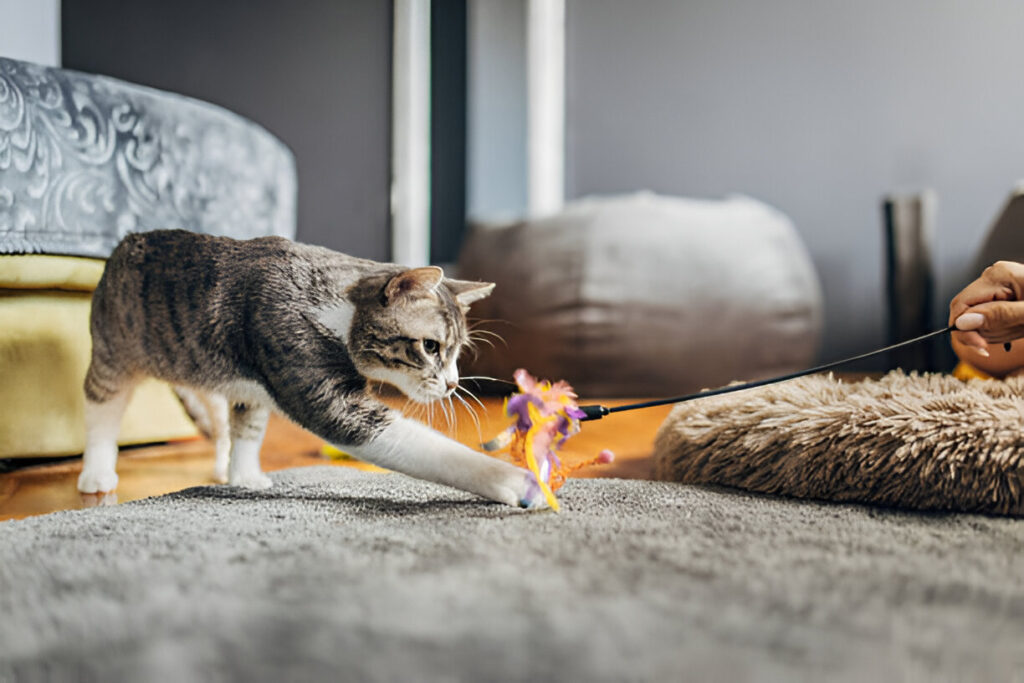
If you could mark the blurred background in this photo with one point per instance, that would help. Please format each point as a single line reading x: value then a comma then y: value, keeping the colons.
x: 505, y: 109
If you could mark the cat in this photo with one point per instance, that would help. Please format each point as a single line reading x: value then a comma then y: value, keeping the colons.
x: 246, y: 327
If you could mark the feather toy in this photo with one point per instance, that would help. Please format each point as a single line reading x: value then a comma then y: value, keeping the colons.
x: 544, y: 416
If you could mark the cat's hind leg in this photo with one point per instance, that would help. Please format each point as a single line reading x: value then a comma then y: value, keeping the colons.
x: 220, y: 433
x: 209, y: 411
x: 248, y: 425
x: 107, y: 393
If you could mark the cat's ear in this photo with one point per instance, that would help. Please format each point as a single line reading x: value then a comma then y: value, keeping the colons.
x: 424, y: 279
x: 466, y: 292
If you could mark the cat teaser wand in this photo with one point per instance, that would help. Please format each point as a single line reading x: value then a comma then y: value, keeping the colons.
x: 596, y: 412
x: 546, y: 414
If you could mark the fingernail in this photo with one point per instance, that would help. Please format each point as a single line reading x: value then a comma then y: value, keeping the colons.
x: 970, y: 321
x: 982, y: 352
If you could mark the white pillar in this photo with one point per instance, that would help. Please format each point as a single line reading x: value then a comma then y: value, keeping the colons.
x: 545, y: 105
x: 410, y: 134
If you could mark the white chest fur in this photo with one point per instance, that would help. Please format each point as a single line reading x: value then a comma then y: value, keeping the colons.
x: 246, y: 392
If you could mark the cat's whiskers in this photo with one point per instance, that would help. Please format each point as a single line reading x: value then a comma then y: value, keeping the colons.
x: 475, y: 339
x: 475, y: 323
x: 455, y: 417
x: 482, y: 335
x: 472, y: 414
x: 471, y: 347
x: 478, y: 378
x: 487, y: 377
x: 474, y: 397
x: 424, y: 409
x: 418, y: 410
x: 447, y: 415
x: 476, y: 335
x: 405, y: 406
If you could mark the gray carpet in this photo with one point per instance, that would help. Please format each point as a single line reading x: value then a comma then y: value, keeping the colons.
x: 340, y: 575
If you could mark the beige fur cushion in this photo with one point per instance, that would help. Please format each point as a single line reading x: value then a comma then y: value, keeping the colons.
x: 927, y: 442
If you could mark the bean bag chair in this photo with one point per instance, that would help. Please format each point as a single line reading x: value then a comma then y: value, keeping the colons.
x: 646, y: 295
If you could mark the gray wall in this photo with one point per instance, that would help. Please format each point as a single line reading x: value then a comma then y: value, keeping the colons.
x: 819, y: 108
x: 30, y: 30
x: 316, y: 73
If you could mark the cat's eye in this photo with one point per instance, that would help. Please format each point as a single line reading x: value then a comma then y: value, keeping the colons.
x: 431, y: 346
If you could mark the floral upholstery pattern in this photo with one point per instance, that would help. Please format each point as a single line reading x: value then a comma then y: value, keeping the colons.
x: 86, y: 159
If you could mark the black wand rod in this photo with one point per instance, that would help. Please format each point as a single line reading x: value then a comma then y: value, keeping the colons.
x: 596, y: 412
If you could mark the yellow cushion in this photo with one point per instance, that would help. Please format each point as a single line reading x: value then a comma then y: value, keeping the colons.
x: 40, y: 271
x: 44, y: 353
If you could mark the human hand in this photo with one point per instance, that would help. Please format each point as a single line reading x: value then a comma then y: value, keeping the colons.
x: 990, y: 309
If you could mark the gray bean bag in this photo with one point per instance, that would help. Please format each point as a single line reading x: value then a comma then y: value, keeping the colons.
x: 645, y: 295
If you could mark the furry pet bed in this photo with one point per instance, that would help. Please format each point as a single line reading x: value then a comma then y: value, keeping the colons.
x: 929, y: 442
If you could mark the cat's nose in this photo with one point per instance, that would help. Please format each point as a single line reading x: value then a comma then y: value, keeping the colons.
x: 452, y: 386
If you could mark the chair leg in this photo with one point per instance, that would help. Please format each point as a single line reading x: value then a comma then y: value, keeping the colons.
x: 910, y: 280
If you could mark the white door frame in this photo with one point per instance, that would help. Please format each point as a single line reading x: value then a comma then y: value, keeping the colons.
x: 410, y: 133
x: 545, y: 101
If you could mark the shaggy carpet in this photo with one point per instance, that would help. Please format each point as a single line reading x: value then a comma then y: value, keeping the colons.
x: 927, y: 442
x: 336, y: 574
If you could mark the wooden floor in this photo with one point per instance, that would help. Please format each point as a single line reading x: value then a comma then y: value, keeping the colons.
x: 155, y: 470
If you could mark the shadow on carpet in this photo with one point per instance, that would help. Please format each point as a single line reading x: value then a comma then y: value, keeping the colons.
x: 345, y: 575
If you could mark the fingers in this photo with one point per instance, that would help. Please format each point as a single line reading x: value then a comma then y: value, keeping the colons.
x: 990, y: 309
x: 992, y: 322
x: 969, y: 322
x: 1002, y: 281
x: 1003, y: 320
x: 974, y: 341
x: 978, y: 292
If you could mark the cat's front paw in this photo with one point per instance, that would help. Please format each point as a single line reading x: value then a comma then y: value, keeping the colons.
x: 518, y: 487
x: 534, y: 498
x: 256, y: 481
x: 97, y: 481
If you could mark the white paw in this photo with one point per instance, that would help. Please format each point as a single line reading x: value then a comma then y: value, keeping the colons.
x: 256, y: 481
x: 220, y: 474
x: 93, y: 500
x: 533, y: 498
x: 517, y: 487
x: 97, y: 481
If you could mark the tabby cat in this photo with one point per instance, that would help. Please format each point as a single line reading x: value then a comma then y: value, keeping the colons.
x: 247, y: 327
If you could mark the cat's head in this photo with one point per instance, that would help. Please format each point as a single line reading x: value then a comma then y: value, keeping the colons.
x: 410, y: 331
